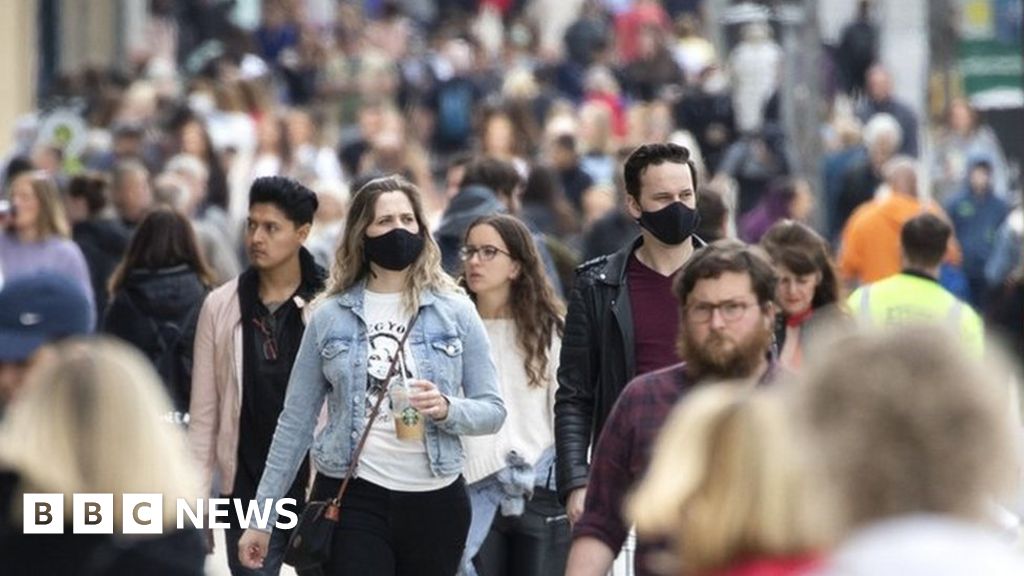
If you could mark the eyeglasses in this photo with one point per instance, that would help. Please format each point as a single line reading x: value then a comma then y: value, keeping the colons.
x: 486, y: 252
x: 731, y: 310
x: 269, y: 342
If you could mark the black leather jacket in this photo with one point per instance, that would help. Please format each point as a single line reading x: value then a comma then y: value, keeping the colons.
x: 597, y: 360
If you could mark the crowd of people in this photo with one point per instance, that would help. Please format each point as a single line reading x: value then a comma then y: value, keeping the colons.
x: 513, y: 279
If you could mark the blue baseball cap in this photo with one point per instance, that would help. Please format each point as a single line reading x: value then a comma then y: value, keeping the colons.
x: 36, y: 310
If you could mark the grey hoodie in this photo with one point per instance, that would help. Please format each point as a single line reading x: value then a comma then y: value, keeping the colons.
x: 469, y: 204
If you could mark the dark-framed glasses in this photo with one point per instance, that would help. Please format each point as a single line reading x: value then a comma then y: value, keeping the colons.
x: 486, y: 252
x: 731, y: 310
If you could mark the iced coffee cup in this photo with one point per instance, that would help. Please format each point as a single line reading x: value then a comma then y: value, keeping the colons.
x: 408, y: 420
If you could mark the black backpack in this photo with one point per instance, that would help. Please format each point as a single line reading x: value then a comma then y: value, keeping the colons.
x: 170, y: 350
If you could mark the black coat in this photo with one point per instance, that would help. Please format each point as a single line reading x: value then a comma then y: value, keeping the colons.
x: 596, y: 362
x: 156, y: 311
x: 103, y: 243
x: 859, y: 185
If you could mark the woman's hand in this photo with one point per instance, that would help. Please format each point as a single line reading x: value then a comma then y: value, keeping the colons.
x: 428, y: 400
x: 252, y: 548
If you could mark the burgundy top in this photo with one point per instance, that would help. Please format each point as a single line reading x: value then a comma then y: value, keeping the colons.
x: 623, y: 452
x: 655, y: 317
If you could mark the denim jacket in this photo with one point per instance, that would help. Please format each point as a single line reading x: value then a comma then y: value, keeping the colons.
x: 451, y: 349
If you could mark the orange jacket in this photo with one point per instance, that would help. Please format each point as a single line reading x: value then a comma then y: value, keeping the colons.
x: 870, y: 248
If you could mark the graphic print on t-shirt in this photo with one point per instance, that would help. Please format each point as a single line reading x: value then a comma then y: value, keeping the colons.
x: 385, y: 337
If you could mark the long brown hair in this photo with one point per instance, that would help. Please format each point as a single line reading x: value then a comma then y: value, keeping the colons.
x: 51, y: 220
x: 163, y: 239
x: 538, y: 314
x: 350, y: 263
x: 802, y: 251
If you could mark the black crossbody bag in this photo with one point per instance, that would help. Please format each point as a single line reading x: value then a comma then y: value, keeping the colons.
x: 310, y: 543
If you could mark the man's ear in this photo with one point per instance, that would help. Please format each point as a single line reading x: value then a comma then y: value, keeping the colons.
x: 633, y: 207
x: 769, y: 310
x: 303, y: 231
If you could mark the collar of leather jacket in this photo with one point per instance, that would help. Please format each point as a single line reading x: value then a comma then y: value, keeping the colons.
x: 614, y: 269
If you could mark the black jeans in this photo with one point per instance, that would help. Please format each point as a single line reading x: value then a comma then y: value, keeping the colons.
x: 389, y: 533
x: 533, y: 544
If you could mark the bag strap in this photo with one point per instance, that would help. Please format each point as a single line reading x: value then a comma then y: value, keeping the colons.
x: 373, y: 415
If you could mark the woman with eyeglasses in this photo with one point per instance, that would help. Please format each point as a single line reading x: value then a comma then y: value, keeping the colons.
x: 406, y: 511
x: 808, y: 289
x: 513, y: 533
x: 155, y: 296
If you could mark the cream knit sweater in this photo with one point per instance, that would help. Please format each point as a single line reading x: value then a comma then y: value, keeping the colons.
x: 529, y: 427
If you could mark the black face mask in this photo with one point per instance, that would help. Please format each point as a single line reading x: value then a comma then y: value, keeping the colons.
x: 673, y: 224
x: 395, y: 250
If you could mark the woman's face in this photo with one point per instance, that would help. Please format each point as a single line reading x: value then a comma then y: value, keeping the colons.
x: 193, y: 140
x: 960, y: 117
x: 795, y: 292
x: 489, y: 269
x: 300, y: 129
x: 270, y: 135
x: 498, y: 139
x: 392, y: 210
x: 25, y: 203
x: 803, y: 202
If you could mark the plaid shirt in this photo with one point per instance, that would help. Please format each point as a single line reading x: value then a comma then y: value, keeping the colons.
x: 624, y: 450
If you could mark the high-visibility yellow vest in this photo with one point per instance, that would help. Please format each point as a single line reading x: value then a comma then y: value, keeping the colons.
x: 905, y: 299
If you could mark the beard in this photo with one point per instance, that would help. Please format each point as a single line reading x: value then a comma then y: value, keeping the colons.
x: 723, y: 357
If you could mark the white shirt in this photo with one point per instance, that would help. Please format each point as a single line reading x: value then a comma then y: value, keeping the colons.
x: 401, y: 465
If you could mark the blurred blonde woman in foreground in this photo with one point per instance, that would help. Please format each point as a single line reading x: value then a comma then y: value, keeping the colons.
x: 89, y: 421
x: 729, y: 489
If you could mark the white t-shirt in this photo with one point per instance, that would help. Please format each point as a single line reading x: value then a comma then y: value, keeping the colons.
x: 387, y: 461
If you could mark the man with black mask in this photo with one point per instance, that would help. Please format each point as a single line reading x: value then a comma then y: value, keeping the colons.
x: 621, y: 320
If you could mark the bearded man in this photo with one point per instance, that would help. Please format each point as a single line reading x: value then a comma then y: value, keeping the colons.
x: 726, y: 319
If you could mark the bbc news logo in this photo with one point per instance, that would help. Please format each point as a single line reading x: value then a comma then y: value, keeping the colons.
x: 144, y: 513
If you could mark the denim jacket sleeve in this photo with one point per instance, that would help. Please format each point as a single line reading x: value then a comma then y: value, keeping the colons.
x: 480, y: 410
x: 307, y: 388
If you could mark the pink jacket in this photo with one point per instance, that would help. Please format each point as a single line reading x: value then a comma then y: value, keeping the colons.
x: 217, y: 387
x: 216, y: 401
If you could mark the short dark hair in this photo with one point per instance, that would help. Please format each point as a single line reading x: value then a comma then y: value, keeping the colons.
x: 499, y: 176
x: 296, y: 201
x: 713, y: 213
x: 724, y: 256
x: 924, y: 239
x: 92, y: 187
x: 652, y: 155
x: 982, y: 163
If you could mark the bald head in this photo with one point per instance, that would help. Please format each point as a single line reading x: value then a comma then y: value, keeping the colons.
x: 901, y: 176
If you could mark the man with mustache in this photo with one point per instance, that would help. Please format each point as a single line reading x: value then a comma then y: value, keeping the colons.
x: 726, y: 319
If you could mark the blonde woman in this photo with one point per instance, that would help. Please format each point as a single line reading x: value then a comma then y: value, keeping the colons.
x: 729, y: 488
x: 89, y: 421
x: 38, y: 236
x: 406, y: 512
